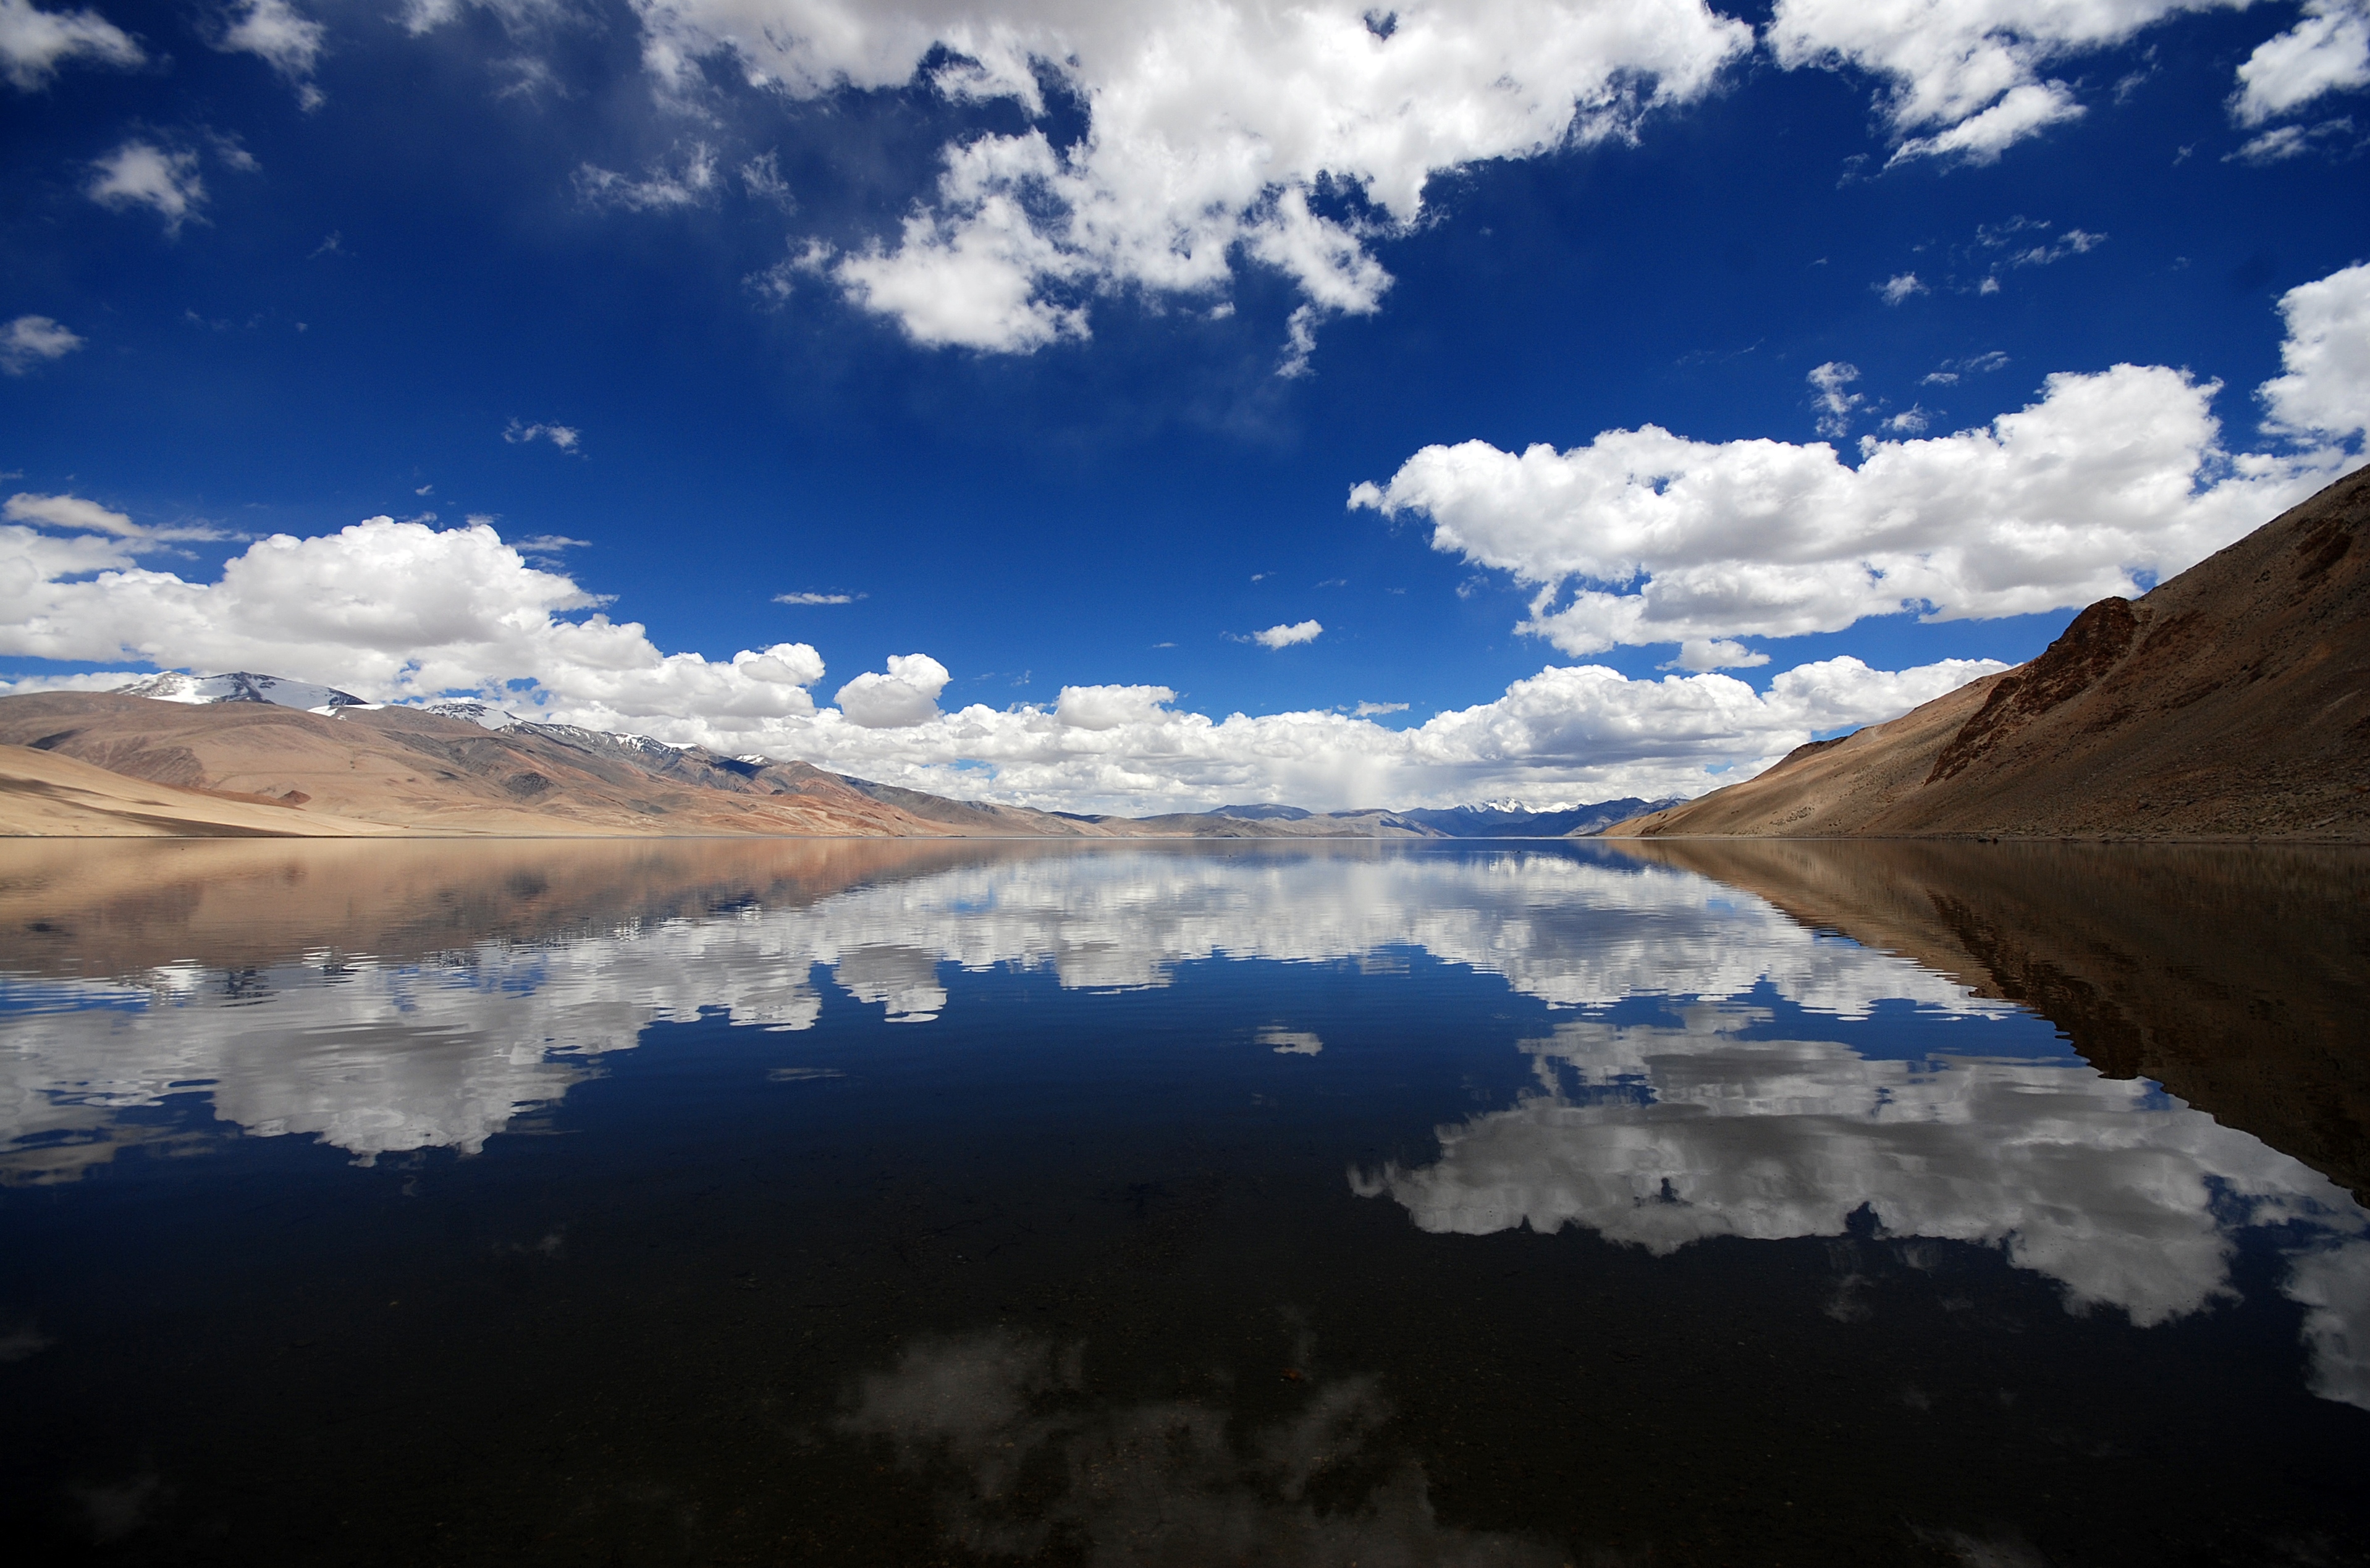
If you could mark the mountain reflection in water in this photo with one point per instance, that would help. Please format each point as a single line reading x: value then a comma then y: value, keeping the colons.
x: 2126, y: 1077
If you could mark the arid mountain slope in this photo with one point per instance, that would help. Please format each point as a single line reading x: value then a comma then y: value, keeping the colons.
x: 44, y: 795
x: 2234, y: 977
x: 2230, y: 701
x: 398, y: 767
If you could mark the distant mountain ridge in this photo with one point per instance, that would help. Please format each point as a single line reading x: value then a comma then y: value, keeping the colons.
x: 245, y: 753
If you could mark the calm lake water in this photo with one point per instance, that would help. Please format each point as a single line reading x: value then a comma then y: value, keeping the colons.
x: 733, y: 1202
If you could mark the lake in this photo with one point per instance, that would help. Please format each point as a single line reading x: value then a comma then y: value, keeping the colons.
x: 712, y: 1202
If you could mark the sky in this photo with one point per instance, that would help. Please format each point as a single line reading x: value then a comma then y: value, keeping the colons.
x: 1149, y: 407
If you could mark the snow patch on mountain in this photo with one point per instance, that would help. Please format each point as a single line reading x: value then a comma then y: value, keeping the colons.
x: 243, y: 686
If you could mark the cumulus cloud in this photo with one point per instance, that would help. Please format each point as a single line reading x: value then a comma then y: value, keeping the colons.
x: 30, y: 340
x: 1898, y: 287
x: 1964, y: 78
x: 1281, y: 636
x: 2326, y: 393
x: 141, y: 174
x: 34, y: 43
x: 2327, y: 52
x: 282, y: 37
x: 1214, y: 125
x: 906, y: 696
x: 399, y: 611
x: 566, y: 437
x: 2107, y: 477
x: 390, y: 610
x: 1586, y: 732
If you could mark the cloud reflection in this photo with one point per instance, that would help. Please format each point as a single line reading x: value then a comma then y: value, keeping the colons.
x: 1661, y: 1135
x: 1026, y: 1459
x: 379, y: 1057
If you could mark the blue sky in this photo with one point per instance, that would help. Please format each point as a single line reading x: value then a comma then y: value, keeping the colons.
x: 1055, y: 338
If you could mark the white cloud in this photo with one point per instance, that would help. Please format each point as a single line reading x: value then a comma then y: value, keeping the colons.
x: 1898, y: 287
x: 72, y: 514
x: 1586, y: 732
x: 2108, y: 476
x: 34, y: 43
x: 567, y: 438
x: 30, y: 340
x: 96, y: 680
x: 1108, y: 706
x: 816, y: 598
x: 282, y: 37
x: 689, y: 183
x: 390, y: 610
x: 762, y: 175
x: 2326, y: 392
x: 398, y: 611
x: 1965, y: 77
x: 1282, y: 636
x: 906, y: 696
x: 1834, y: 404
x: 1375, y: 710
x: 141, y: 174
x: 2022, y: 111
x: 2284, y: 142
x: 1212, y: 122
x: 1716, y: 654
x: 2328, y: 52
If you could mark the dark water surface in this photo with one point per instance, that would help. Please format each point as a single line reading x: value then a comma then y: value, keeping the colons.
x: 824, y: 1202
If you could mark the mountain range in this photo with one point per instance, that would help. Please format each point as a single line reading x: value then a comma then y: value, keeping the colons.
x: 243, y: 754
x: 2232, y: 700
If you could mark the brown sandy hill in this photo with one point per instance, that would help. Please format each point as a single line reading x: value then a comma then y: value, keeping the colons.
x: 2231, y: 701
x: 2233, y: 975
x: 395, y: 767
x: 49, y: 796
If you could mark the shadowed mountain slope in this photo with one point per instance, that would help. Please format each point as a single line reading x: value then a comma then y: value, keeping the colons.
x: 2236, y: 977
x: 2231, y: 701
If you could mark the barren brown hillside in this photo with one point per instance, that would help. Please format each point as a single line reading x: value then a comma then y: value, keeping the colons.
x: 2230, y: 701
x: 394, y: 767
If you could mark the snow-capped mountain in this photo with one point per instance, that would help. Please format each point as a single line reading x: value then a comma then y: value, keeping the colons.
x: 485, y: 715
x: 243, y: 686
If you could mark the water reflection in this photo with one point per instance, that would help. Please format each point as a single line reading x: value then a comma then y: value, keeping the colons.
x: 379, y: 1053
x: 1663, y: 1136
x: 1025, y: 1460
x: 1698, y: 1080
